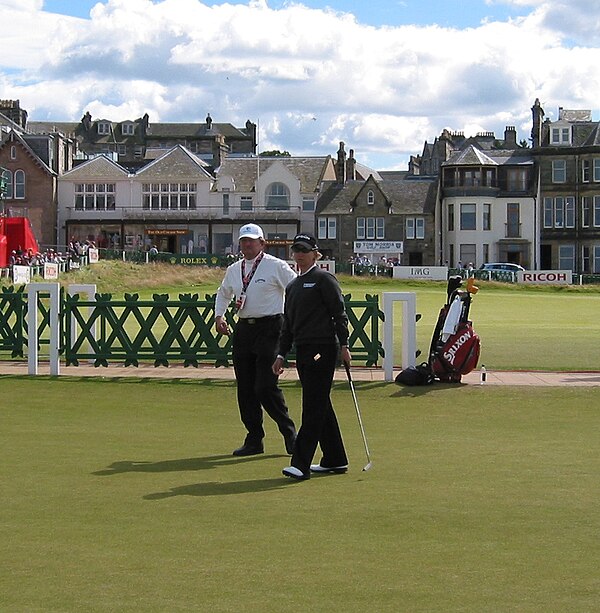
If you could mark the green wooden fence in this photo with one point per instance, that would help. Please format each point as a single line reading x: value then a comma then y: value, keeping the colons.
x: 161, y: 330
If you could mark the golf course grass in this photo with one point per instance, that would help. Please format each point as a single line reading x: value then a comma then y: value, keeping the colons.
x: 122, y: 495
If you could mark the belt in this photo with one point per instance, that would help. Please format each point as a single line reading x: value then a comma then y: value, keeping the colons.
x: 258, y: 320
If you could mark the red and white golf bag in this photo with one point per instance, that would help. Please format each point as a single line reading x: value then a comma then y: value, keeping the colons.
x: 455, y: 346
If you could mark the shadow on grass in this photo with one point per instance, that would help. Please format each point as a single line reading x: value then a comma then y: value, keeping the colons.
x: 178, y: 465
x: 227, y: 488
x: 414, y: 391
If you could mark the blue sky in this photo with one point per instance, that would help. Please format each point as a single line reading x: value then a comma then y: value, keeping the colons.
x: 449, y: 13
x: 384, y: 80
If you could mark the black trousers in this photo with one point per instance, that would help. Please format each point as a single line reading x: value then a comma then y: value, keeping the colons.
x: 316, y: 365
x: 254, y: 351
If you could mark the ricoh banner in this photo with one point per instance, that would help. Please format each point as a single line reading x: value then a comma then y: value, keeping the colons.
x: 365, y: 247
x: 548, y: 277
x: 433, y: 273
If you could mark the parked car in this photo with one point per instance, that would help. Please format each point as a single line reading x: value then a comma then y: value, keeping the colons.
x: 505, y: 266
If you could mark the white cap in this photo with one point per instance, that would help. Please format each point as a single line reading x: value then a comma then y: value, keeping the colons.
x: 251, y: 230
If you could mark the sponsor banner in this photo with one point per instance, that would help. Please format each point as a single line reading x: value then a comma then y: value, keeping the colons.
x: 364, y: 247
x: 434, y: 273
x: 328, y: 265
x: 548, y: 277
x: 21, y: 274
x: 50, y: 270
x: 198, y: 260
x: 93, y: 256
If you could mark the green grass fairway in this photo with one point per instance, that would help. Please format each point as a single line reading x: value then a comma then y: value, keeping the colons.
x: 122, y: 495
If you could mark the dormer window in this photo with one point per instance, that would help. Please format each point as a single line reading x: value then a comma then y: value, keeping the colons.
x: 560, y: 135
x: 104, y: 127
x: 370, y: 197
x: 127, y: 129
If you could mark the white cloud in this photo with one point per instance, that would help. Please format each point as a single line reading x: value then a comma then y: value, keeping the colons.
x: 383, y: 91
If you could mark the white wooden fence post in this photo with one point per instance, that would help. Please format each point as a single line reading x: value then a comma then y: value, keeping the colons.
x: 409, y: 331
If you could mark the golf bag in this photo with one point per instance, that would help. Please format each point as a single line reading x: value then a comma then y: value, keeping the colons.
x: 455, y: 346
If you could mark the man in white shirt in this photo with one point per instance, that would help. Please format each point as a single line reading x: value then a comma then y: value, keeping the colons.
x: 258, y: 283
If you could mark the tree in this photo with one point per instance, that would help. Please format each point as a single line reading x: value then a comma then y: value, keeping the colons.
x: 275, y: 153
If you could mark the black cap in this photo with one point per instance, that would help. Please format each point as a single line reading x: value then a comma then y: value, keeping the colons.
x: 305, y: 240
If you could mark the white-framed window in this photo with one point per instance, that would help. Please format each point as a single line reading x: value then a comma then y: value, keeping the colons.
x: 13, y: 152
x: 225, y: 200
x: 596, y: 165
x: 331, y: 227
x: 19, y: 184
x: 370, y: 197
x: 122, y: 149
x: 566, y: 257
x: 586, y: 206
x: 468, y: 216
x: 103, y: 127
x: 370, y: 228
x: 451, y: 217
x: 308, y: 204
x: 415, y: 228
x: 486, y: 223
x: 174, y: 196
x: 596, y: 263
x: 246, y: 203
x: 278, y: 197
x: 127, y: 129
x: 95, y: 196
x: 559, y: 171
x: 516, y: 180
x: 585, y: 258
x: 585, y: 171
x: 560, y: 135
x: 326, y: 227
x: 596, y: 211
x: 361, y: 226
x: 138, y: 152
x: 559, y: 212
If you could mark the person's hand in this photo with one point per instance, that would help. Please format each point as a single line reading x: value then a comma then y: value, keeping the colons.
x: 221, y: 326
x: 277, y: 366
x: 345, y: 355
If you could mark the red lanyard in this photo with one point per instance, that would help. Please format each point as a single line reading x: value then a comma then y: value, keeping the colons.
x: 247, y: 278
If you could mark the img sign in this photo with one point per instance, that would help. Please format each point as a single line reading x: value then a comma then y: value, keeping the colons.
x: 548, y: 277
x: 434, y: 273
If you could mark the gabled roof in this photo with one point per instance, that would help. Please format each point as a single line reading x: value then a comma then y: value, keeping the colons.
x: 101, y: 168
x: 310, y: 171
x: 175, y: 163
x: 405, y: 194
x: 411, y: 195
x: 14, y: 137
x: 470, y: 156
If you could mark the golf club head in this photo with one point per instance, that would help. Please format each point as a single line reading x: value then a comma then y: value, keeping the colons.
x: 368, y: 466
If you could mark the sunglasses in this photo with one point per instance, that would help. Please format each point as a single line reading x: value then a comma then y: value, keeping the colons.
x: 300, y: 249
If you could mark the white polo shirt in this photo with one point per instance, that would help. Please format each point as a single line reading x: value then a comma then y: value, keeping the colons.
x: 265, y: 292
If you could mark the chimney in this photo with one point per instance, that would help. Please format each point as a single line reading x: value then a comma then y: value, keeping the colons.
x: 86, y: 120
x: 340, y: 167
x: 351, y: 167
x: 510, y: 137
x: 538, y: 117
x: 219, y: 150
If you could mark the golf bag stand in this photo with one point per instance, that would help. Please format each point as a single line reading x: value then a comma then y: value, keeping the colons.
x: 455, y: 347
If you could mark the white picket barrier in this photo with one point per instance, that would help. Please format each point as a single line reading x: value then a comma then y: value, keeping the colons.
x: 409, y: 331
x: 33, y: 291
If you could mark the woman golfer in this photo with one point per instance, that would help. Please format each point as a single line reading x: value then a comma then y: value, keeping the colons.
x: 315, y: 321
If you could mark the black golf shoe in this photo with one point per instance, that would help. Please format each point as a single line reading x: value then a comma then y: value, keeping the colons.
x: 247, y: 449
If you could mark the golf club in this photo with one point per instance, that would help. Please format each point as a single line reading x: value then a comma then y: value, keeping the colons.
x: 362, y: 429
